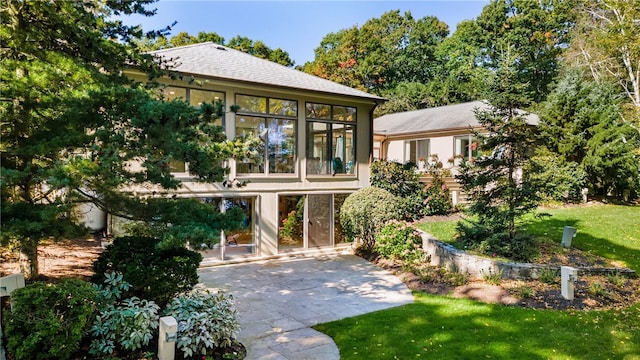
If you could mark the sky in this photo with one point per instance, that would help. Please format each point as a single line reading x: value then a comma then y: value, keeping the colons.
x: 296, y: 27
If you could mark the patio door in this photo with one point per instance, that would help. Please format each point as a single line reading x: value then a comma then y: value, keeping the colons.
x: 319, y: 220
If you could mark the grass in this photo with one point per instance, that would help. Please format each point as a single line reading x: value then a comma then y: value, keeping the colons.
x: 438, y: 327
x: 610, y: 231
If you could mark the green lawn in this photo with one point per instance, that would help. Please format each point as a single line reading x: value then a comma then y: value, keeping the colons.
x: 439, y: 327
x: 611, y: 231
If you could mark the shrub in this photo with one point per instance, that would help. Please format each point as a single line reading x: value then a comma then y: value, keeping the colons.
x: 48, y: 321
x: 562, y: 180
x: 437, y: 195
x: 399, y: 240
x: 206, y: 321
x: 493, y: 278
x: 365, y: 211
x: 495, y: 241
x: 438, y: 199
x: 127, y: 324
x: 402, y: 181
x: 156, y: 274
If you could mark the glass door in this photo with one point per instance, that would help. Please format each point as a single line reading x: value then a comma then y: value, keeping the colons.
x: 319, y: 220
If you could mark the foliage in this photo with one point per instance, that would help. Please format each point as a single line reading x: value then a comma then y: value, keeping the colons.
x: 606, y: 41
x: 127, y: 324
x: 438, y: 197
x: 384, y: 52
x: 402, y: 181
x: 548, y: 275
x: 155, y: 273
x: 581, y: 123
x: 399, y: 240
x: 48, y: 321
x: 498, y: 189
x: 365, y: 211
x: 73, y: 121
x: 206, y: 320
x: 491, y: 277
x: 241, y: 43
x: 561, y: 180
x: 535, y: 31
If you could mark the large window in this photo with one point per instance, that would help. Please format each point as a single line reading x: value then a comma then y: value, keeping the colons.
x: 274, y: 121
x: 309, y: 221
x: 417, y: 151
x: 331, y: 133
x: 195, y: 97
x: 465, y: 147
x: 238, y: 242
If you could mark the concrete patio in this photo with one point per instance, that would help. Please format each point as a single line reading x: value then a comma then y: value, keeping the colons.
x: 278, y: 300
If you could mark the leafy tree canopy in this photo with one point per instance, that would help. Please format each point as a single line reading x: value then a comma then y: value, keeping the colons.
x: 241, y: 43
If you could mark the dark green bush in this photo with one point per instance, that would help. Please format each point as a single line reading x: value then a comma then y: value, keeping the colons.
x: 402, y: 181
x: 399, y: 240
x: 562, y: 180
x: 365, y: 211
x: 494, y: 241
x: 156, y: 274
x: 48, y: 321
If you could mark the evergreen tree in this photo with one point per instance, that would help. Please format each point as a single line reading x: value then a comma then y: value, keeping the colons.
x: 74, y: 125
x: 581, y: 122
x: 499, y: 191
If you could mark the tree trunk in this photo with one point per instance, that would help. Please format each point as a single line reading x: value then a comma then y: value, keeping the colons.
x: 29, y: 258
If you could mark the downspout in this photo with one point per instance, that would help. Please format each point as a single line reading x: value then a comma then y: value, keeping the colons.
x: 375, y: 104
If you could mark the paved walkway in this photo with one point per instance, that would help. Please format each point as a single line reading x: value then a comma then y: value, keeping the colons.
x: 278, y: 300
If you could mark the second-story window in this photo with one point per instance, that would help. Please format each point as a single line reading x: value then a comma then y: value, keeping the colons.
x: 195, y: 97
x: 274, y: 120
x: 331, y: 133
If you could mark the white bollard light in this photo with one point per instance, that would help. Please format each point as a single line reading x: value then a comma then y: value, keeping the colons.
x: 167, y: 338
x: 568, y: 277
x: 568, y: 234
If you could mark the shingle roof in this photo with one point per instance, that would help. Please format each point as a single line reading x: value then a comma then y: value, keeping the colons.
x: 217, y: 61
x: 434, y: 119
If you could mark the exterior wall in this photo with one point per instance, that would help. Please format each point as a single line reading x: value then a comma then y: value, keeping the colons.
x: 267, y: 189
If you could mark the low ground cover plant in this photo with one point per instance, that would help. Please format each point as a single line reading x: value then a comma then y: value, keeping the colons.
x: 206, y: 320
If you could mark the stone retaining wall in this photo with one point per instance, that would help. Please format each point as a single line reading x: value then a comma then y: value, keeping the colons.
x: 447, y: 256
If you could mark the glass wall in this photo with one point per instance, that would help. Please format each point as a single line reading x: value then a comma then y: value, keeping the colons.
x: 330, y: 139
x: 241, y: 242
x: 319, y: 226
x: 290, y: 222
x: 274, y: 121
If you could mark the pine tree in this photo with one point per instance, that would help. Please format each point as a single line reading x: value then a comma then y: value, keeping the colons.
x: 499, y: 191
x: 72, y: 123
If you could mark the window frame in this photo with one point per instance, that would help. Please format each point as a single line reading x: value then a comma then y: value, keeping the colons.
x: 268, y: 116
x: 330, y: 121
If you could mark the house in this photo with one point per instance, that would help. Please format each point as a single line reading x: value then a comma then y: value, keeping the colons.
x: 417, y: 136
x: 317, y: 149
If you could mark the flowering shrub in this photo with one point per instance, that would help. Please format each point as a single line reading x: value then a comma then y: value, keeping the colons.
x: 206, y: 320
x: 400, y: 241
x: 437, y: 199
